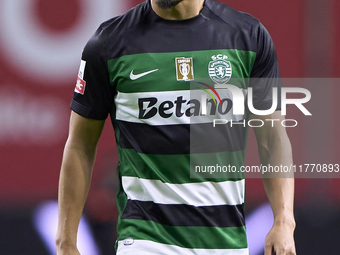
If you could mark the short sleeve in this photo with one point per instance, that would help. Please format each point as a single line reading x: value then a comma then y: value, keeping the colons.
x: 265, y: 74
x: 93, y: 94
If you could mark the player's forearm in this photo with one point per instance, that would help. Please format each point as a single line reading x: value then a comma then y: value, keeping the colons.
x: 74, y: 183
x: 279, y: 186
x: 280, y: 192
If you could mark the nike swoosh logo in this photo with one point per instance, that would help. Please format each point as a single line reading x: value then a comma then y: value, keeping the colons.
x: 137, y: 76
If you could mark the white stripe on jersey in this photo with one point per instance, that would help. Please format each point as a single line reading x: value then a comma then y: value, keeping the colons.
x: 144, y: 247
x: 128, y: 109
x: 196, y: 194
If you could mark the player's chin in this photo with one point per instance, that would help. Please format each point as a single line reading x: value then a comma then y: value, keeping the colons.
x: 167, y: 4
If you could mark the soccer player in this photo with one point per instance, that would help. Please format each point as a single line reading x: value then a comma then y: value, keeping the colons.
x: 139, y: 68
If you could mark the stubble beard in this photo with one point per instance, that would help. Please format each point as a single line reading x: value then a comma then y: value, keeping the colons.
x: 167, y: 4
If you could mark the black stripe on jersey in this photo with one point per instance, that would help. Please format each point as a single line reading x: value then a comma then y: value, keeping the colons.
x: 216, y: 27
x: 185, y: 215
x: 181, y: 139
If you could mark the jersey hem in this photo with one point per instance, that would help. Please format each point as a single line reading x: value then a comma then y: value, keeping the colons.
x: 83, y: 110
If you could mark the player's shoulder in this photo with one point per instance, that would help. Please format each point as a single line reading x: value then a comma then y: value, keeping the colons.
x: 115, y: 28
x: 232, y: 17
x: 128, y: 20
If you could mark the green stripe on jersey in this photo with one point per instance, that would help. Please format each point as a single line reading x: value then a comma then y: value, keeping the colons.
x: 175, y: 168
x: 121, y: 68
x: 187, y: 237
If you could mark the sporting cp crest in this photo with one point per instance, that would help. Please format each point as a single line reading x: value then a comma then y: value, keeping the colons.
x: 220, y: 70
x: 184, y: 69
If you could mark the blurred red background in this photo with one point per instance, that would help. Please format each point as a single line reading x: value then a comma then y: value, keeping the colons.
x: 40, y: 48
x: 36, y: 84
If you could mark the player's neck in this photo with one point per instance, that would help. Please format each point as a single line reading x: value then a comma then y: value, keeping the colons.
x: 184, y: 10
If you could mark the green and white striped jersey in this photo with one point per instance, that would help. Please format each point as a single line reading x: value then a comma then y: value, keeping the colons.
x: 150, y: 74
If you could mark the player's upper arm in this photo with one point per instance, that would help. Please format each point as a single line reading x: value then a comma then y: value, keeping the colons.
x: 265, y: 74
x: 94, y: 99
x: 84, y: 133
x: 272, y: 130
